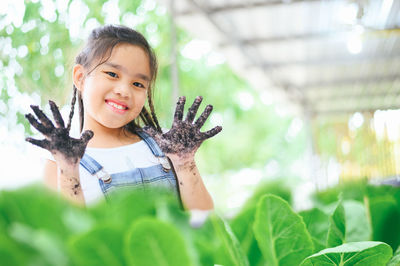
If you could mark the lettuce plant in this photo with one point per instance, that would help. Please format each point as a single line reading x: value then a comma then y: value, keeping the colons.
x: 40, y: 228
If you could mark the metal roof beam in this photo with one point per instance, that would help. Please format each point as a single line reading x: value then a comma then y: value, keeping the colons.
x: 344, y: 59
x: 284, y: 38
x: 349, y: 81
x: 352, y: 109
x: 245, y: 5
x: 355, y: 96
x: 318, y: 35
x: 232, y: 37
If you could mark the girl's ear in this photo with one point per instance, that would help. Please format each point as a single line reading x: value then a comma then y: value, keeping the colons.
x: 78, y: 76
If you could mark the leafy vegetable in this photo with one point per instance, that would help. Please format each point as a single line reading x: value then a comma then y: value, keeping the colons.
x: 355, y: 253
x: 153, y: 242
x: 280, y: 232
x: 317, y: 223
x: 395, y: 261
x: 100, y: 246
x: 230, y: 246
x: 38, y: 227
x: 337, y: 227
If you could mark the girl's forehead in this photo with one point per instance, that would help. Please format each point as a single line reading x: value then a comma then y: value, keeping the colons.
x: 128, y: 58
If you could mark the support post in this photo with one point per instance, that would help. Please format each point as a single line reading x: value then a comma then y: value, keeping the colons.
x: 174, y: 55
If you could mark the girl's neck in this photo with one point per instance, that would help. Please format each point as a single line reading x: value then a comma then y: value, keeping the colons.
x: 111, y: 137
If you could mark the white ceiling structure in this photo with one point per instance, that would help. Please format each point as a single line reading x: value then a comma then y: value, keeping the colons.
x: 318, y: 56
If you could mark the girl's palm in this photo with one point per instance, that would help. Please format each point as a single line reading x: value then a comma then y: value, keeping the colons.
x: 184, y: 138
x: 57, y: 139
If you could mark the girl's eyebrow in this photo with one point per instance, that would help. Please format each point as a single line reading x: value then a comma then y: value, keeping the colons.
x: 122, y: 68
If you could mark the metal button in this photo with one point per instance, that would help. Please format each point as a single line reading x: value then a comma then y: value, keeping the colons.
x: 165, y: 164
x: 104, y: 176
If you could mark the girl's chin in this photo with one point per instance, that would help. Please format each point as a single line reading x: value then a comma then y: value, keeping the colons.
x: 112, y: 124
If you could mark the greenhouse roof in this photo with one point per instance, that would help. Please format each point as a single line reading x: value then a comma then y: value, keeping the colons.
x: 321, y: 57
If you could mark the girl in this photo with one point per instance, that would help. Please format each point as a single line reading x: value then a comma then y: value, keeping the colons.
x: 113, y: 77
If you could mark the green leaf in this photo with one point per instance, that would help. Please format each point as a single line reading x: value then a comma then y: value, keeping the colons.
x: 100, y: 246
x: 206, y: 243
x: 357, y: 225
x: 395, y: 260
x: 242, y: 227
x: 14, y: 253
x: 152, y: 202
x: 38, y: 208
x: 337, y: 227
x: 152, y: 242
x: 48, y: 246
x: 317, y: 223
x: 280, y: 232
x: 348, y: 190
x: 278, y: 188
x: 233, y: 253
x: 385, y: 218
x: 355, y: 253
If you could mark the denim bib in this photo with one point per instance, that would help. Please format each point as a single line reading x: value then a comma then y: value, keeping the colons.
x: 159, y: 175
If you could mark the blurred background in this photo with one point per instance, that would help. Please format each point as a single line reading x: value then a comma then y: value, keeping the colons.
x: 307, y: 91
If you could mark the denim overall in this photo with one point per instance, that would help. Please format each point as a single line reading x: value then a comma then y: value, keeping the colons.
x: 156, y: 175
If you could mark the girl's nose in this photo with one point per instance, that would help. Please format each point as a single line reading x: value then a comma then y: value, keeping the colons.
x: 122, y: 90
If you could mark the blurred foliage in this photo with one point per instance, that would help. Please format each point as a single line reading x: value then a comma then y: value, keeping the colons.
x: 38, y: 227
x: 37, y: 56
x: 382, y: 202
x: 359, y: 150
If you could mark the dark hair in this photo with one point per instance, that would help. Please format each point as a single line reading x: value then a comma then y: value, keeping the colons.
x: 101, y: 42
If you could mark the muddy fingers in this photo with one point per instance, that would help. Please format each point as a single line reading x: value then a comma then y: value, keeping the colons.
x: 184, y: 138
x: 203, y: 117
x: 57, y: 140
x: 41, y: 143
x: 193, y: 109
x: 179, y: 109
x: 212, y: 132
x: 56, y: 114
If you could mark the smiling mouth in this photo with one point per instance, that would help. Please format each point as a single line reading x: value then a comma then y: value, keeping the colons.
x: 117, y: 106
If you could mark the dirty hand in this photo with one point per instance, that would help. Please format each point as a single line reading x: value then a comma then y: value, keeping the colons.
x: 66, y: 150
x: 184, y: 138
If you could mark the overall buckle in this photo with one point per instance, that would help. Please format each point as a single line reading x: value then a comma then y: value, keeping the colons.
x: 104, y: 176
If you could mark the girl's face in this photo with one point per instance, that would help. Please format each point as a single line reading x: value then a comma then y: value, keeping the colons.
x: 114, y: 93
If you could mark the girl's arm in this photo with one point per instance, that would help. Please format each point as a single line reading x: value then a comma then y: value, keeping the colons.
x: 193, y: 192
x: 66, y: 181
x: 180, y: 144
x: 67, y: 152
x: 50, y: 174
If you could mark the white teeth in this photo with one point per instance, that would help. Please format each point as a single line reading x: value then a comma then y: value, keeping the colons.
x: 116, y: 106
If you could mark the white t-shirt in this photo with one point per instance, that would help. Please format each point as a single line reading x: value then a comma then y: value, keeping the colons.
x: 121, y: 159
x: 113, y: 160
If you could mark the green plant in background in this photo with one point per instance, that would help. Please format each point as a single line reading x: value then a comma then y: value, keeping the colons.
x: 38, y: 54
x: 137, y: 228
x: 38, y: 228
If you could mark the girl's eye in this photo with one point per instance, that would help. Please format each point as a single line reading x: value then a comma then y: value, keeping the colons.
x: 138, y: 84
x: 112, y: 74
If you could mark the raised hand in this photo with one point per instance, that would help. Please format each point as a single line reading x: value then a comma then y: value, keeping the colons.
x: 57, y: 140
x: 184, y: 138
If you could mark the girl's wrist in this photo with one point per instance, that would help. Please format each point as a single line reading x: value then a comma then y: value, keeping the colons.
x: 181, y: 159
x: 186, y: 165
x: 66, y: 164
x: 69, y: 180
x: 68, y: 170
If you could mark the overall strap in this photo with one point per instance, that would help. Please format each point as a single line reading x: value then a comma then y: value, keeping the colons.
x: 155, y: 149
x: 90, y: 164
x: 94, y: 168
